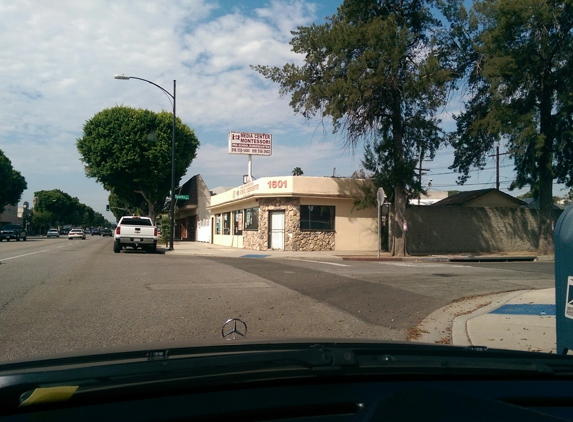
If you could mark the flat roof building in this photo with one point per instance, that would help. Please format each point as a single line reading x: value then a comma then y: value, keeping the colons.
x: 294, y: 213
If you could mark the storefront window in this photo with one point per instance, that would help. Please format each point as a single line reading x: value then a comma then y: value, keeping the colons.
x: 238, y: 223
x: 317, y: 217
x: 218, y: 224
x: 227, y: 223
x: 252, y: 218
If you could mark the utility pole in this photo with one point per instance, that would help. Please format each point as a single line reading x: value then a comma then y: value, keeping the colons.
x: 496, y: 155
x: 420, y: 170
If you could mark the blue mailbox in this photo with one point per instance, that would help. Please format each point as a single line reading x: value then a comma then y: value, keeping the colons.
x: 564, y: 281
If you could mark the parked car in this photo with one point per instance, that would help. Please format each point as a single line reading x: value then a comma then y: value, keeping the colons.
x: 53, y: 233
x: 76, y: 234
x: 135, y: 232
x: 13, y: 231
x: 106, y: 232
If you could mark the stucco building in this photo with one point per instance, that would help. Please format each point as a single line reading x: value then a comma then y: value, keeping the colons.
x: 293, y: 213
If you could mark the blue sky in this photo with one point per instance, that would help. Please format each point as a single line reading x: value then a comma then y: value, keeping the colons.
x: 58, y: 59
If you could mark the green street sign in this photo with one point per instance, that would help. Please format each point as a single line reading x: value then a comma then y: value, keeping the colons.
x: 181, y: 196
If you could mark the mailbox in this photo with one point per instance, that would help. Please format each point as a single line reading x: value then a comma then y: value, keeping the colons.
x: 564, y: 281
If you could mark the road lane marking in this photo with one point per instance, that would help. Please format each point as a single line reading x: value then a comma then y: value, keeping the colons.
x: 215, y: 285
x: 321, y: 262
x: 20, y: 256
x: 422, y: 264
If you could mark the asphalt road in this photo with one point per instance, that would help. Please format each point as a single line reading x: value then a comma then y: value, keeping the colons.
x: 58, y: 295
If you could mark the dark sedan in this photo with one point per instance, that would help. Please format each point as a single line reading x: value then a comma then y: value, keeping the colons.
x: 13, y: 231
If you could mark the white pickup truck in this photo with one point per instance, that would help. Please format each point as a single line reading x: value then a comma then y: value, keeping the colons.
x: 135, y: 232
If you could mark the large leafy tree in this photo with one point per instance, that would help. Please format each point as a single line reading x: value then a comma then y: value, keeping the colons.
x: 378, y: 69
x: 12, y: 183
x: 128, y: 151
x: 57, y: 204
x: 99, y: 221
x: 133, y: 204
x: 57, y: 208
x: 520, y: 92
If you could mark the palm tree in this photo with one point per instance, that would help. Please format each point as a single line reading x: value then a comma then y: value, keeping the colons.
x: 297, y: 171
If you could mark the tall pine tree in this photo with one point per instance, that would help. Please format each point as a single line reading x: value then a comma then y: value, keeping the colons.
x: 378, y: 69
x: 520, y: 92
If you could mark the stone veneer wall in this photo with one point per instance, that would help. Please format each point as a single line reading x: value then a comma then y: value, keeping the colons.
x: 295, y: 240
x: 313, y: 241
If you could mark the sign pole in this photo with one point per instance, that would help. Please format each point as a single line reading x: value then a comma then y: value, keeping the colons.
x: 380, y: 196
x: 250, y: 169
x: 378, y: 230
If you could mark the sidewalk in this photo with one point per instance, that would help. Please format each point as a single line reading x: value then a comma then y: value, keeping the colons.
x: 521, y: 320
x: 208, y: 249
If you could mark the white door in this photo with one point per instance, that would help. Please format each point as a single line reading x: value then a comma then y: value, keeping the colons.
x: 277, y: 229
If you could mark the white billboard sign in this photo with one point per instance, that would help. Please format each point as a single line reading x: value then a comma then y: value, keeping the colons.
x: 250, y: 143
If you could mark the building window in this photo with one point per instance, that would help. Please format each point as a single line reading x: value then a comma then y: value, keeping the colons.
x: 218, y: 224
x: 227, y: 223
x: 238, y: 223
x: 252, y: 218
x: 317, y: 217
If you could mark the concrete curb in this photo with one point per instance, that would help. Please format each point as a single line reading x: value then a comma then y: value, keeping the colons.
x: 459, y: 325
x: 208, y: 249
x: 449, y: 258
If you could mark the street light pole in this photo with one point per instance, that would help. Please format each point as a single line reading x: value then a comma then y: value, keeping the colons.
x: 172, y: 205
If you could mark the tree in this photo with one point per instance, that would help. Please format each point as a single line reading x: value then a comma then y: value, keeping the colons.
x: 54, y: 207
x: 520, y: 88
x: 100, y: 221
x: 12, y: 183
x: 55, y: 203
x: 132, y: 205
x: 42, y: 220
x: 378, y: 69
x: 297, y: 171
x: 88, y: 217
x: 531, y: 194
x: 165, y: 234
x: 359, y: 174
x: 128, y: 151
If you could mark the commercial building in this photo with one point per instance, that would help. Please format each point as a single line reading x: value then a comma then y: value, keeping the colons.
x: 12, y: 215
x: 191, y: 215
x: 294, y: 213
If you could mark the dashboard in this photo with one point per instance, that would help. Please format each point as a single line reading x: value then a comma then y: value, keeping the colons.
x: 401, y: 398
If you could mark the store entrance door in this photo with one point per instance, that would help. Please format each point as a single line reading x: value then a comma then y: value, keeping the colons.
x: 277, y: 229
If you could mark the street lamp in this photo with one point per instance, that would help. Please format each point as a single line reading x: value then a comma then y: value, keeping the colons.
x: 172, y: 209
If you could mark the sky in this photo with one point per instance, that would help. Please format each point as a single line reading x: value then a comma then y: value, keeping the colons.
x: 58, y: 59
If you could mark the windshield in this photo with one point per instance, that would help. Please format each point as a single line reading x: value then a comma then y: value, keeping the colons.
x: 312, y: 168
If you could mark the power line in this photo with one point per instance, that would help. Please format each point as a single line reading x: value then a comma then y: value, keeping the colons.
x: 466, y: 184
x: 478, y: 170
x: 475, y: 184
